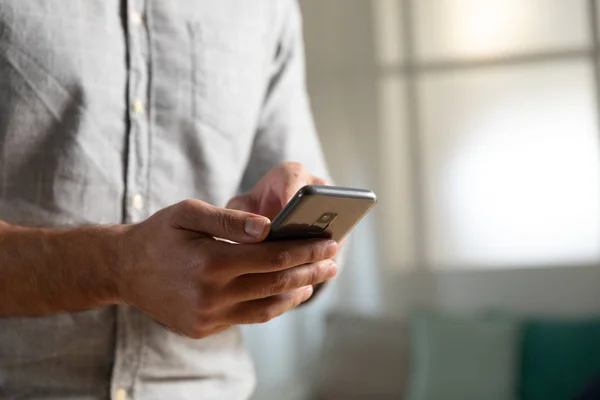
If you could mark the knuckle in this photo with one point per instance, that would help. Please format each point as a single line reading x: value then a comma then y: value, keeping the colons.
x: 197, y: 332
x: 293, y: 166
x: 227, y: 222
x: 320, y: 181
x: 280, y: 283
x: 210, y: 267
x: 210, y: 274
x: 208, y: 259
x: 208, y: 302
x: 315, y: 253
x: 263, y: 317
x: 204, y: 320
x: 213, y: 262
x: 267, y: 314
x: 292, y: 170
x: 280, y: 259
x: 316, y: 274
x: 187, y: 206
x: 187, y: 210
x: 196, y: 335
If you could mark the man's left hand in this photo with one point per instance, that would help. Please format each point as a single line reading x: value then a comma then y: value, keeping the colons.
x: 275, y: 189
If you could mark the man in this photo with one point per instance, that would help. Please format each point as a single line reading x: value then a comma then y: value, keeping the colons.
x: 124, y: 126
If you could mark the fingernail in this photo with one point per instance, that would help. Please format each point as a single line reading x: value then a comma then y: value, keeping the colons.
x: 255, y: 226
x: 331, y: 271
x: 331, y: 249
x: 307, y: 291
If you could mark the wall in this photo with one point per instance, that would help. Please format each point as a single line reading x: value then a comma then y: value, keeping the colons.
x: 367, y: 127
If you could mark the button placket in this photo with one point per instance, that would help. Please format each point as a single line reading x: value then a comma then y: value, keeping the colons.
x: 130, y: 322
x: 137, y: 202
x: 138, y: 107
x: 138, y: 135
x: 137, y: 19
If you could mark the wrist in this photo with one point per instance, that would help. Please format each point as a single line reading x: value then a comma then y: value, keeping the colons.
x: 114, y: 262
x: 96, y: 257
x: 45, y: 270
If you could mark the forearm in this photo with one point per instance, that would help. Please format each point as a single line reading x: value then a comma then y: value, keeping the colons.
x: 45, y: 271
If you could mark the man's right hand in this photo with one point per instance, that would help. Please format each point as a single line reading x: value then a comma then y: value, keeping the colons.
x: 174, y: 269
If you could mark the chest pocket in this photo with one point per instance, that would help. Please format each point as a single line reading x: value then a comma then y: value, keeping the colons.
x: 229, y: 77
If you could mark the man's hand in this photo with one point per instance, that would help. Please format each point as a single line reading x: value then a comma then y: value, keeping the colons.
x: 170, y: 265
x: 177, y: 273
x: 275, y: 189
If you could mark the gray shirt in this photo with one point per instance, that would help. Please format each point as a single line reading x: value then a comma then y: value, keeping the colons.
x: 111, y: 110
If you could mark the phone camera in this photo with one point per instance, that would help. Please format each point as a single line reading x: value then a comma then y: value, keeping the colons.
x: 326, y: 218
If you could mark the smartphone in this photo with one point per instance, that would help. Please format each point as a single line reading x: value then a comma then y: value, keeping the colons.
x: 318, y: 211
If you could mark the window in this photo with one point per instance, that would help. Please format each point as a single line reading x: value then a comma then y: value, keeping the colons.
x: 476, y: 121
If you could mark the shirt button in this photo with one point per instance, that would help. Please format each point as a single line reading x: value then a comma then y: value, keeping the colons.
x: 137, y: 202
x: 138, y: 107
x: 137, y: 19
x: 121, y: 394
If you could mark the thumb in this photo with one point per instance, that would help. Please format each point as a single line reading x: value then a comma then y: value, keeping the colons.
x: 234, y: 225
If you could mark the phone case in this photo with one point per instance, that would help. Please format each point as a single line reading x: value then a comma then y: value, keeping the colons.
x: 322, y: 211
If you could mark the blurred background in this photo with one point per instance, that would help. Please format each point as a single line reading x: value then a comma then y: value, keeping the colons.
x: 476, y: 123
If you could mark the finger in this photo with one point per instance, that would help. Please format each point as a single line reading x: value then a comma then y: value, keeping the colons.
x: 243, y: 202
x: 264, y: 310
x: 259, y: 286
x: 241, y: 259
x: 219, y: 329
x: 296, y: 180
x: 293, y: 176
x: 238, y: 226
x: 318, y: 181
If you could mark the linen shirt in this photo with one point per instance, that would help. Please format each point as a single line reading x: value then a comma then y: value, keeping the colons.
x: 111, y: 110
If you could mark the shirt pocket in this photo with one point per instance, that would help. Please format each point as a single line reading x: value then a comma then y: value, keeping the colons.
x: 228, y: 77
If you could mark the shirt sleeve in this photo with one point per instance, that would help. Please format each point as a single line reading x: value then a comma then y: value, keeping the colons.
x: 286, y: 130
